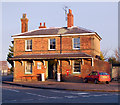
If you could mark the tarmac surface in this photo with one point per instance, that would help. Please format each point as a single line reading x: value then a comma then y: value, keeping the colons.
x: 100, y: 87
x: 18, y: 94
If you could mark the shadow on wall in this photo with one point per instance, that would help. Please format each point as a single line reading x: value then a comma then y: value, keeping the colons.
x: 7, y: 78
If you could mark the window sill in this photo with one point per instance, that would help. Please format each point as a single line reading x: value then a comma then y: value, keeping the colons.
x: 28, y: 50
x: 76, y: 72
x: 76, y: 48
x: 52, y: 49
x: 28, y: 73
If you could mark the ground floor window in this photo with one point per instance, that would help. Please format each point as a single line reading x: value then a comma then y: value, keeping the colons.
x: 28, y: 67
x: 39, y: 65
x: 76, y: 66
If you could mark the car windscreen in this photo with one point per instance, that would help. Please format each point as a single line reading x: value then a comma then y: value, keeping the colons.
x: 103, y: 73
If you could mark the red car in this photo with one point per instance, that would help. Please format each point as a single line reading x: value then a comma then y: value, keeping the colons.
x: 98, y: 77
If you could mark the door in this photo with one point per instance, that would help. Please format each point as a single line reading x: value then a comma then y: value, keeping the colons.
x: 52, y: 69
x: 55, y: 71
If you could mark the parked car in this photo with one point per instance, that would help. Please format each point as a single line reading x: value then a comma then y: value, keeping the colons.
x: 98, y: 77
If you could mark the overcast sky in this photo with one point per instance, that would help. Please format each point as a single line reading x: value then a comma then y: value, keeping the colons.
x: 101, y: 17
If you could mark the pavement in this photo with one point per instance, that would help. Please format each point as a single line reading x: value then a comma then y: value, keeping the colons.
x: 100, y: 87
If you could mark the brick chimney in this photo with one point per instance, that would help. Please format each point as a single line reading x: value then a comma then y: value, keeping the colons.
x: 70, y: 19
x: 24, y: 23
x: 42, y: 26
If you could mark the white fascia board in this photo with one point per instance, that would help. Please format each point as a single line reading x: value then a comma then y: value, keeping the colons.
x: 78, y: 34
x: 34, y: 36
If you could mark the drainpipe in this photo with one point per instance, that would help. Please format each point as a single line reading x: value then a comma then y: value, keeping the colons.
x: 60, y: 53
x: 60, y: 44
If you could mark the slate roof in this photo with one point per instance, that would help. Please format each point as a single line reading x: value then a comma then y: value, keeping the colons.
x: 51, y: 56
x: 55, y: 31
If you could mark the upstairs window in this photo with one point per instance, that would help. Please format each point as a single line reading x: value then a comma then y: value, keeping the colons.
x: 76, y: 66
x: 52, y: 44
x: 28, y: 45
x: 76, y: 43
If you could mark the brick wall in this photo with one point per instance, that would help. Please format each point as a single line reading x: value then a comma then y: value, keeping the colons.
x: 86, y: 68
x: 19, y: 71
x: 40, y: 45
x: 103, y: 66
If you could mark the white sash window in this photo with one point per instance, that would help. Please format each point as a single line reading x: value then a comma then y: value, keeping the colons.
x: 28, y: 45
x: 76, y: 43
x: 76, y: 66
x: 52, y: 44
x: 28, y: 67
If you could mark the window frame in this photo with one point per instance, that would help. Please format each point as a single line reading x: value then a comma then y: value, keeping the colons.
x: 39, y: 65
x: 49, y: 44
x: 74, y: 43
x: 26, y: 44
x: 74, y: 68
x: 26, y: 67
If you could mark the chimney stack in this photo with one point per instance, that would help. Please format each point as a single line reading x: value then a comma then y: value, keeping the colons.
x: 42, y: 26
x: 24, y: 23
x: 70, y: 19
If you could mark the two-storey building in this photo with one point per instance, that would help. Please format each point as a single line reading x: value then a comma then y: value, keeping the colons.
x: 72, y: 52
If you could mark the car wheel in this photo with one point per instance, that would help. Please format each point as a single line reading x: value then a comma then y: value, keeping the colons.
x: 96, y: 81
x: 86, y: 80
x: 107, y: 82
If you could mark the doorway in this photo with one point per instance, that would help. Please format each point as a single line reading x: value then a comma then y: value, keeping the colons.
x: 52, y: 69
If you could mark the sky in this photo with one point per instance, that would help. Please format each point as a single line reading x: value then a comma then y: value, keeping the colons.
x: 101, y: 17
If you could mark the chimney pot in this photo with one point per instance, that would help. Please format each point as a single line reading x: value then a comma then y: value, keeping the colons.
x: 44, y: 24
x: 24, y: 15
x: 40, y: 24
x: 70, y: 11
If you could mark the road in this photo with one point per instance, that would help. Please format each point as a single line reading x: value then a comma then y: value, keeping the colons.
x: 17, y: 94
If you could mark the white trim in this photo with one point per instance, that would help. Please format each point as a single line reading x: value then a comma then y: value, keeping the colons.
x: 44, y: 62
x: 14, y: 63
x: 59, y: 62
x: 26, y: 68
x: 22, y: 63
x: 70, y: 62
x: 82, y: 61
x: 39, y: 65
x: 49, y: 45
x: 26, y: 45
x: 28, y: 50
x: 34, y: 36
x: 73, y: 69
x: 78, y: 34
x: 33, y: 63
x: 73, y: 45
x: 92, y: 62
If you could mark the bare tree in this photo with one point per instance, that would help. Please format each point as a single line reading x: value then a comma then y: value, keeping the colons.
x: 104, y: 53
x: 117, y: 54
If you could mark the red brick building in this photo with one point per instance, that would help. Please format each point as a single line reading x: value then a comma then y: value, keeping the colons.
x: 70, y: 51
